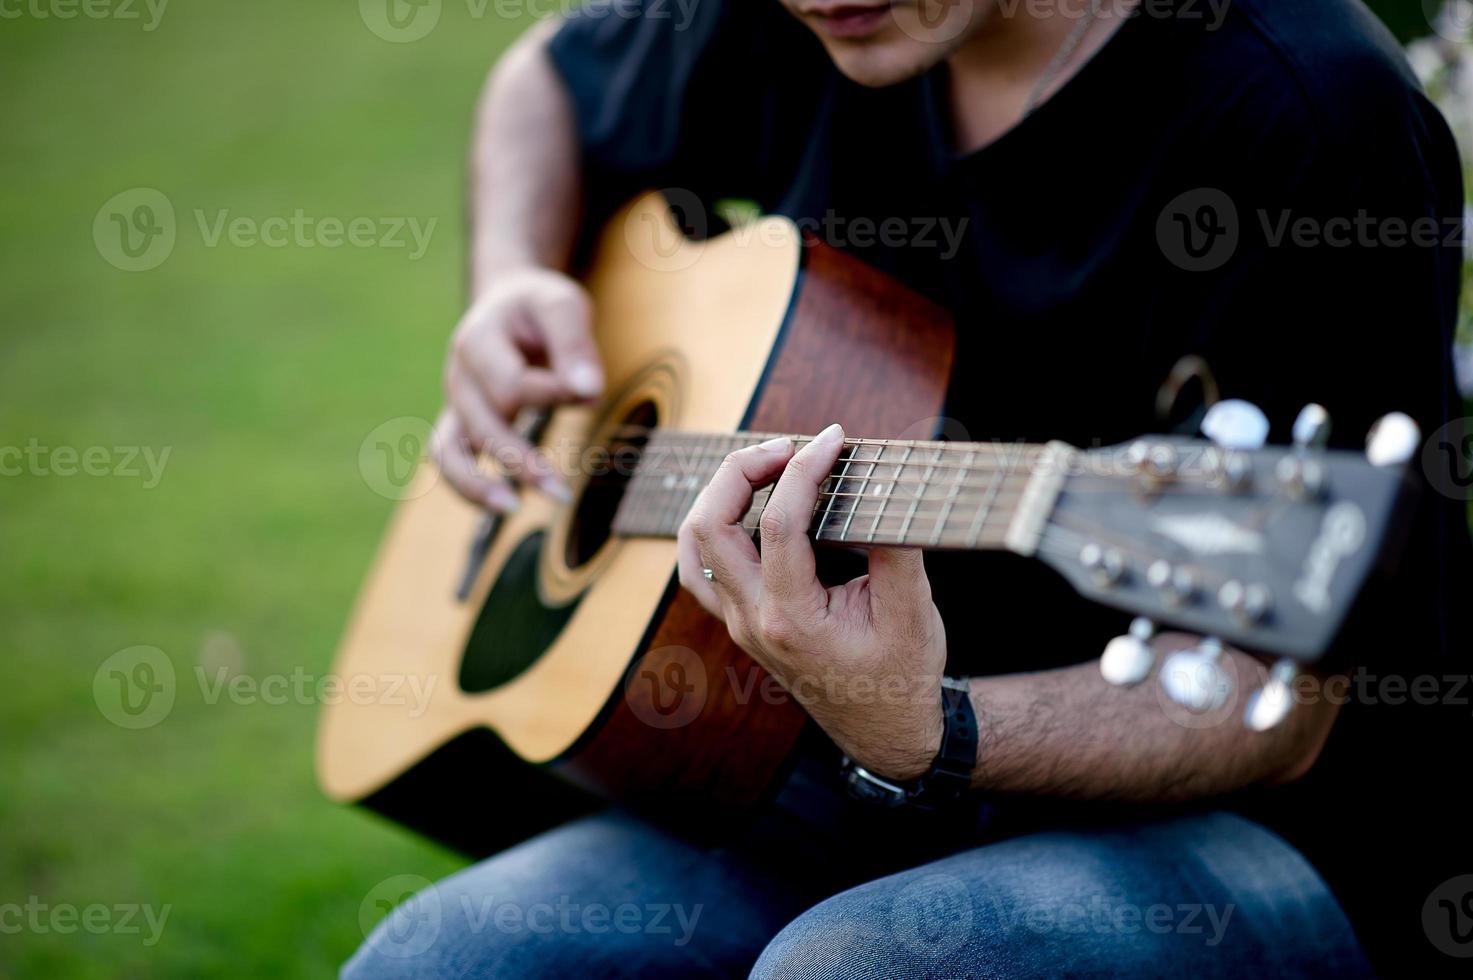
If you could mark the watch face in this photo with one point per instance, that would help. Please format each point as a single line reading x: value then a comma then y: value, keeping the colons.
x: 871, y: 789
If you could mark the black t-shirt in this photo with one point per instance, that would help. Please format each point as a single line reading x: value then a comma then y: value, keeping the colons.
x: 1075, y: 291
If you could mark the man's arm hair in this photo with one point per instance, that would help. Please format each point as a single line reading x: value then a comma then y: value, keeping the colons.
x: 1067, y: 733
x: 525, y: 190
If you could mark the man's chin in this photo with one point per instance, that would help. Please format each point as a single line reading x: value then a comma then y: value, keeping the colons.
x: 877, y: 65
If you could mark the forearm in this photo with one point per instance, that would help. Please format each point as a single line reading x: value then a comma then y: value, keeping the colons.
x: 1068, y: 733
x: 524, y: 167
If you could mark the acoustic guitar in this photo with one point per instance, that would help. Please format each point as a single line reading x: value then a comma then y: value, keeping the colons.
x: 563, y: 663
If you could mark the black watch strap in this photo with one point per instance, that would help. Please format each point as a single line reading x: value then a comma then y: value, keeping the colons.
x: 950, y: 775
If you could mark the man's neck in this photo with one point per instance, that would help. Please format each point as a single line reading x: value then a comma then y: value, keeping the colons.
x: 999, y: 68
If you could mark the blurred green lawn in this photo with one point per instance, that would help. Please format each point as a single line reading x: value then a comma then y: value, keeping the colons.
x: 262, y: 370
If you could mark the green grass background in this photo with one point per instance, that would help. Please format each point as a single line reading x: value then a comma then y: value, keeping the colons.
x: 263, y: 369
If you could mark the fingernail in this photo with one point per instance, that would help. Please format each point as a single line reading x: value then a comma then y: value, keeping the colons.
x: 502, y: 500
x: 778, y: 445
x: 585, y: 379
x: 556, y: 490
x: 833, y: 432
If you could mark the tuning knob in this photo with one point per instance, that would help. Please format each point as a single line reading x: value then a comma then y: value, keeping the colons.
x: 1195, y: 679
x: 1127, y: 659
x: 1312, y: 427
x: 1236, y: 424
x: 1270, y: 704
x: 1393, y: 440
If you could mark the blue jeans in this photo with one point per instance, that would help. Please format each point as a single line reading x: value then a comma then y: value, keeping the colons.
x: 1205, y: 895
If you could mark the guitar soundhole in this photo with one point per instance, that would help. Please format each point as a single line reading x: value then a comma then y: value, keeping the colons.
x: 612, y: 465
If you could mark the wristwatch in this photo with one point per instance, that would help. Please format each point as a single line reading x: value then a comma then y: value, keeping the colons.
x: 950, y: 774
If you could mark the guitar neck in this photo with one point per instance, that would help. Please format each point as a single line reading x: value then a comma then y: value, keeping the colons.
x: 939, y: 495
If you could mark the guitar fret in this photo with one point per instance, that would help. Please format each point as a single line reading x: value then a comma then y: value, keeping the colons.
x: 975, y: 534
x: 915, y: 502
x: 837, y: 490
x: 863, y: 488
x: 956, y: 486
x: 885, y: 497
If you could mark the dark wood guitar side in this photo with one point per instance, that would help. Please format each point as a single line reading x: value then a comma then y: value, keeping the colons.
x: 850, y: 332
x: 846, y: 333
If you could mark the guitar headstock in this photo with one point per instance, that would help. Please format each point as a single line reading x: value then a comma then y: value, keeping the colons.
x: 1263, y: 547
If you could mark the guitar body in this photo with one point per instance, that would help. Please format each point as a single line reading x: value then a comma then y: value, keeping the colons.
x: 575, y: 668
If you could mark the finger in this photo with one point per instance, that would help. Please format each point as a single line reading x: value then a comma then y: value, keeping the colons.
x: 456, y: 461
x: 487, y: 432
x: 506, y: 380
x: 564, y: 320
x: 715, y: 522
x: 787, y: 555
x: 898, y: 587
x: 693, y: 576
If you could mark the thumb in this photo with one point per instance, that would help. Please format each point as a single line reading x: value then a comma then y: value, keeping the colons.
x: 898, y: 585
x: 565, y: 319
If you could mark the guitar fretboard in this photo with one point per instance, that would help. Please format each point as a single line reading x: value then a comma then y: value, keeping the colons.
x: 880, y: 492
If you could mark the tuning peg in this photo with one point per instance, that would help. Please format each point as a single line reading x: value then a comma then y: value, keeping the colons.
x: 1270, y: 704
x: 1127, y: 659
x: 1393, y: 440
x: 1312, y: 427
x: 1236, y: 424
x: 1195, y: 679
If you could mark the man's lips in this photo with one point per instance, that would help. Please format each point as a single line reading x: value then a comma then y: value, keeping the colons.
x: 850, y: 20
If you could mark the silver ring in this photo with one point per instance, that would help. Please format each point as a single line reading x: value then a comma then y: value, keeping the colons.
x: 710, y: 575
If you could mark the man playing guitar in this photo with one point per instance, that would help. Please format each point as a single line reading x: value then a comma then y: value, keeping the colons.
x: 1095, y: 190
